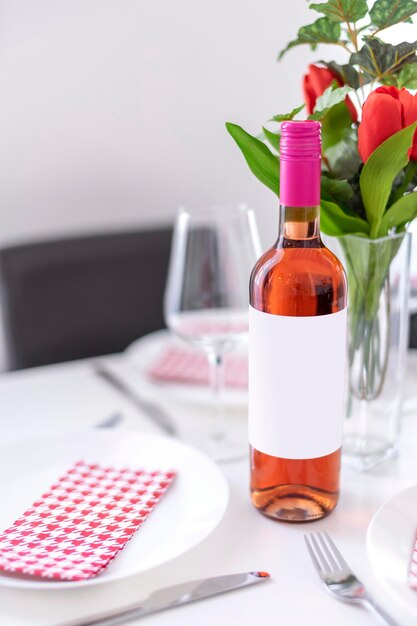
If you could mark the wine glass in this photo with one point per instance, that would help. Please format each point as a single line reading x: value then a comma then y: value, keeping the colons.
x: 206, y: 298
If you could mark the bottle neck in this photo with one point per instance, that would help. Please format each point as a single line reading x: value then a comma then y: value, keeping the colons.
x: 299, y: 224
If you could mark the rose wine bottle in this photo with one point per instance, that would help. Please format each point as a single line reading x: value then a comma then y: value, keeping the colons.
x: 297, y: 348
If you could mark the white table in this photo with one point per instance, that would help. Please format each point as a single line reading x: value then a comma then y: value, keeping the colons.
x: 69, y: 396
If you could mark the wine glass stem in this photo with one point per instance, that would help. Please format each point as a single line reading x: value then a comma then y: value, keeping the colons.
x: 217, y: 380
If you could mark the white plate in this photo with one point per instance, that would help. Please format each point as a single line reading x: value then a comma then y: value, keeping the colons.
x: 389, y: 542
x: 186, y: 514
x: 143, y: 352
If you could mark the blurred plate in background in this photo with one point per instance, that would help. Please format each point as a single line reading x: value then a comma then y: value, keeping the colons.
x: 143, y: 353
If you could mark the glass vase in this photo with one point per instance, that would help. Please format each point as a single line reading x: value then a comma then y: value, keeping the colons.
x: 378, y: 282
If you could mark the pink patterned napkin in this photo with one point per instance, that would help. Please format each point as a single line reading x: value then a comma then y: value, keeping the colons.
x: 79, y: 525
x: 412, y: 576
x: 176, y: 364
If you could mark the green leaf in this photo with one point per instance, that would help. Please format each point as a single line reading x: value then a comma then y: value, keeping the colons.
x: 329, y: 98
x: 338, y: 191
x: 272, y: 138
x: 347, y: 73
x: 335, y: 125
x: 379, y: 172
x: 378, y: 59
x: 343, y: 156
x: 342, y: 10
x: 260, y: 159
x: 385, y: 13
x: 406, y: 181
x: 288, y: 116
x: 407, y: 77
x: 399, y: 213
x: 334, y: 222
x: 322, y: 30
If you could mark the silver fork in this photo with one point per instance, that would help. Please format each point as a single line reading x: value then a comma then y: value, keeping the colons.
x: 337, y: 575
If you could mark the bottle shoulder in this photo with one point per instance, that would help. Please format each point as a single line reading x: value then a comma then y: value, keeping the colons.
x: 298, y: 281
x: 290, y: 263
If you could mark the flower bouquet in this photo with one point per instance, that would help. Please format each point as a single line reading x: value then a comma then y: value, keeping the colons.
x: 369, y: 173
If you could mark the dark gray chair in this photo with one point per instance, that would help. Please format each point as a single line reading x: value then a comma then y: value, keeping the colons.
x: 82, y: 297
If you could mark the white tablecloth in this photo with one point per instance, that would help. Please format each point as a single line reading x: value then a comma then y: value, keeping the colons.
x: 69, y: 396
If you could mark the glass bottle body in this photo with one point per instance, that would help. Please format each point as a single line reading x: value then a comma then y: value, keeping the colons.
x: 297, y: 277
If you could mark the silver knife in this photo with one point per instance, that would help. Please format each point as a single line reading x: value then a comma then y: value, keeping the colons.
x: 156, y: 413
x: 177, y: 595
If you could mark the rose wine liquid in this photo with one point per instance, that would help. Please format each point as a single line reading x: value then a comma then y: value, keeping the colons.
x: 299, y: 276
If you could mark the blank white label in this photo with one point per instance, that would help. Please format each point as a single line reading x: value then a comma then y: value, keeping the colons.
x: 296, y: 383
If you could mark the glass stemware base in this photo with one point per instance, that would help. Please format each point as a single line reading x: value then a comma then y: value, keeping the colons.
x: 223, y: 449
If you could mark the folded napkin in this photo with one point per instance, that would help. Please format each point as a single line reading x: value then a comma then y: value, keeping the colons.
x: 79, y: 525
x: 412, y: 576
x: 176, y: 364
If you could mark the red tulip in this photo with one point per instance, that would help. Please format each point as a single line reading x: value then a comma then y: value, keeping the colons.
x: 316, y: 81
x: 386, y: 111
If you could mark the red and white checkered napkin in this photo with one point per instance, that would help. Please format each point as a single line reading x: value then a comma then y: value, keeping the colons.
x: 412, y: 576
x: 79, y: 525
x: 176, y: 364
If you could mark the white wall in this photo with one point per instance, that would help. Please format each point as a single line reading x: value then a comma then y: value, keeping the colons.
x: 112, y: 111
